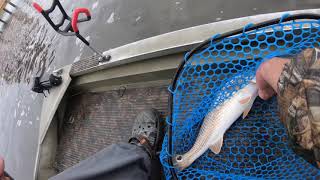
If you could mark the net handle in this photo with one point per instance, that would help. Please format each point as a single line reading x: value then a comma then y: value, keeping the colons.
x: 68, y: 30
x: 285, y: 18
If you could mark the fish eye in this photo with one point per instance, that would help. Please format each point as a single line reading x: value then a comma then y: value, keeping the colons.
x: 179, y: 158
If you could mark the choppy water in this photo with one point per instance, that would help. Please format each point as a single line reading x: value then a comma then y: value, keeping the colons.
x: 29, y: 47
x: 26, y: 51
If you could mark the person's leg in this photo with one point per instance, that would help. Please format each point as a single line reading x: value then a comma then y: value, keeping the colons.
x: 118, y: 161
x: 125, y: 160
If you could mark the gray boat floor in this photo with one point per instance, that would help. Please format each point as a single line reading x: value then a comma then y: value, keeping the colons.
x: 95, y: 120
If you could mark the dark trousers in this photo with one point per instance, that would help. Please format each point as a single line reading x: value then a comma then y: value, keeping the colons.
x: 118, y: 161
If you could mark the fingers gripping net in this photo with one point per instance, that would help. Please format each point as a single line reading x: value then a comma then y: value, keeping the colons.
x: 255, y: 147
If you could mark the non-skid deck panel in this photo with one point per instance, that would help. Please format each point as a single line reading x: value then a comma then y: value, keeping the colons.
x: 84, y: 64
x: 96, y: 120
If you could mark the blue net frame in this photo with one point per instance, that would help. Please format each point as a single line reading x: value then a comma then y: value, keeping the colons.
x: 255, y: 147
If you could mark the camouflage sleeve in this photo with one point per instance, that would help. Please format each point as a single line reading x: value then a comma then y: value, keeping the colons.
x: 299, y: 104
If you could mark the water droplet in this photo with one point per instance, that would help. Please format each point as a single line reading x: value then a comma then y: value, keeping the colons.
x: 138, y: 18
x: 95, y: 5
x: 76, y: 59
x: 22, y: 113
x: 19, y: 123
x: 111, y: 18
x: 78, y: 41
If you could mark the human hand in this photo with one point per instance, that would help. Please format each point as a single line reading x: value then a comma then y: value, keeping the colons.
x: 2, y: 177
x: 267, y: 76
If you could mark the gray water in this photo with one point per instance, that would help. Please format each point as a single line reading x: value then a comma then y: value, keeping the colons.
x: 30, y: 47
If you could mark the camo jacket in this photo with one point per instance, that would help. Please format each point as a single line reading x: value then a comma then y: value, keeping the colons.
x: 299, y: 104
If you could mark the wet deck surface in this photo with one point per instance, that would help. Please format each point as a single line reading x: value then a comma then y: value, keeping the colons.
x: 96, y: 120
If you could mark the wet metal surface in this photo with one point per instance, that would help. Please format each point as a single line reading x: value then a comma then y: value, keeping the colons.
x: 29, y: 47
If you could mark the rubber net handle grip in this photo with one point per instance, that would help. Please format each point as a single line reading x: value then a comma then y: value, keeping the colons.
x: 75, y: 16
x: 37, y: 7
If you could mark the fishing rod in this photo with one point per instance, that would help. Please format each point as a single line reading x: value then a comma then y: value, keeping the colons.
x: 71, y: 28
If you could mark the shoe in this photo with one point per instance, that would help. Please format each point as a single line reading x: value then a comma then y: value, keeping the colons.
x: 147, y: 131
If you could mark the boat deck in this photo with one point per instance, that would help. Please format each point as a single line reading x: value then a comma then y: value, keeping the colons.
x: 105, y: 113
x: 96, y: 120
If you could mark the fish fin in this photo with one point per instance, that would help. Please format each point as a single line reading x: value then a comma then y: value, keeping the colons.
x: 216, y: 148
x: 246, y: 111
x: 245, y: 100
